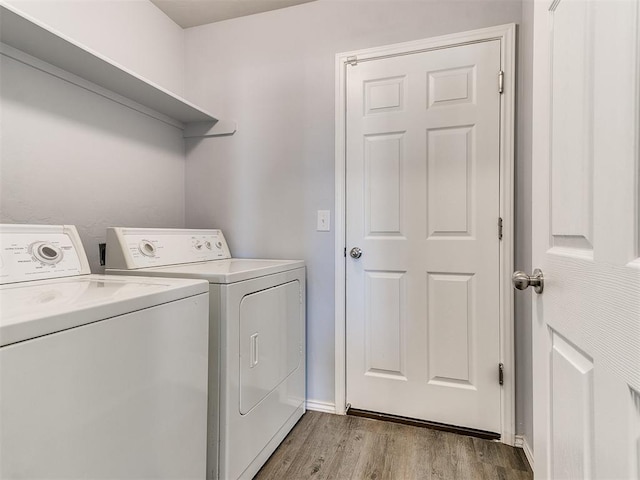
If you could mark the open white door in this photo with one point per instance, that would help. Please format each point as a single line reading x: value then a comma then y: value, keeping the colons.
x: 586, y: 322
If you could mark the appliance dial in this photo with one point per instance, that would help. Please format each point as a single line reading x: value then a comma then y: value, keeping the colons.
x: 147, y: 248
x: 46, y: 253
x: 198, y: 246
x: 207, y: 244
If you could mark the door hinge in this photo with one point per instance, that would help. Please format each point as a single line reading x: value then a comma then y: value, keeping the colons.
x: 501, y: 373
x: 353, y: 61
x: 500, y: 81
x: 500, y: 228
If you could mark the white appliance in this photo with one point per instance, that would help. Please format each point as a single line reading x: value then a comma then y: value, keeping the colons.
x: 100, y: 376
x: 257, y: 337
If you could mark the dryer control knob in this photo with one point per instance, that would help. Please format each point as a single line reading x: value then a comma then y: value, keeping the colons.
x: 147, y: 248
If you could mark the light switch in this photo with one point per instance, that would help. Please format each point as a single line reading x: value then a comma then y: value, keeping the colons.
x: 324, y: 221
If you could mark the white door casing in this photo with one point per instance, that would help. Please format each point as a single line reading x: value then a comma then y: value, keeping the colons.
x: 418, y: 123
x: 586, y: 207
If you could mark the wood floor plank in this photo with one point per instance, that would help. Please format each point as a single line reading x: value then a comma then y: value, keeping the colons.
x: 284, y: 455
x: 311, y: 459
x: 371, y: 461
x: 421, y: 455
x: 336, y: 447
x: 347, y: 455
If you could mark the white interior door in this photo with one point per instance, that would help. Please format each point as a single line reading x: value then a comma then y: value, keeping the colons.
x: 586, y: 219
x: 423, y: 198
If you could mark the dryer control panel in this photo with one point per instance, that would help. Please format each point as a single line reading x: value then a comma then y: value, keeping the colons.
x: 133, y: 248
x: 38, y: 252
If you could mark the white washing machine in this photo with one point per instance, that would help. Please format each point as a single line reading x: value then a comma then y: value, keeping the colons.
x: 257, y: 337
x: 100, y: 376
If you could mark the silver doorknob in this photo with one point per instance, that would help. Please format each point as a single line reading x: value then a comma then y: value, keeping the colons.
x: 521, y: 280
x: 355, y: 252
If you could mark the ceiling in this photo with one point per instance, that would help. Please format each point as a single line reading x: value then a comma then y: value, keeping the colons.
x: 191, y: 13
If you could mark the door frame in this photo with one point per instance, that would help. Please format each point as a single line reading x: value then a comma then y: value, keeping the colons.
x: 506, y: 34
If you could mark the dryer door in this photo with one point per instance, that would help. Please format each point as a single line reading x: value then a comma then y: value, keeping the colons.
x: 270, y: 347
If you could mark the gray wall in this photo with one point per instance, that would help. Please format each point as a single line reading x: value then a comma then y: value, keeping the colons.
x: 133, y: 33
x: 275, y: 74
x: 69, y: 156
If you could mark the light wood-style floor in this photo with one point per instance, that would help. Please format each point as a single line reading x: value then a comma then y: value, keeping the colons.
x: 337, y: 447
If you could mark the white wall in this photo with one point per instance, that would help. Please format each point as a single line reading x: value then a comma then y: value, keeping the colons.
x: 70, y: 156
x: 274, y: 74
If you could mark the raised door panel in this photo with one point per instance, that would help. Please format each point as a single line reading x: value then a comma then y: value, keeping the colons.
x: 384, y: 95
x: 451, y: 86
x: 571, y: 137
x: 384, y: 184
x: 385, y: 324
x: 451, y: 326
x: 449, y: 177
x: 572, y: 432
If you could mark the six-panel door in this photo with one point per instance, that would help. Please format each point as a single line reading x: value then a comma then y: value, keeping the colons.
x: 423, y: 178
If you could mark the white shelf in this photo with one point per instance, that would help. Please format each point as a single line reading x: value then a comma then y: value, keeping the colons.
x: 73, y: 62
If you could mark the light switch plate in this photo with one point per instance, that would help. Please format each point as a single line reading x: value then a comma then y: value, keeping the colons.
x: 324, y: 221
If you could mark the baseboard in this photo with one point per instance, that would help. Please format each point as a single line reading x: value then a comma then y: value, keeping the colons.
x: 319, y: 406
x: 521, y: 442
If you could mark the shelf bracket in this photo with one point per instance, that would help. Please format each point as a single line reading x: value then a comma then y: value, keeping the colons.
x: 210, y: 129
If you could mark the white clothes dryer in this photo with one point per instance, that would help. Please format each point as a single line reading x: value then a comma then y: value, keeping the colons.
x: 100, y: 376
x: 257, y: 337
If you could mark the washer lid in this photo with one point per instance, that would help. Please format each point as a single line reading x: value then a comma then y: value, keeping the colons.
x: 220, y: 271
x: 33, y: 309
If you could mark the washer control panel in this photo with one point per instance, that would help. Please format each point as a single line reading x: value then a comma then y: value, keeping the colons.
x: 131, y: 248
x: 36, y: 252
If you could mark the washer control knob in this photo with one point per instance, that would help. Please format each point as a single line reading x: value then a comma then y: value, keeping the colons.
x: 147, y: 248
x: 46, y: 253
x: 207, y: 244
x: 198, y: 246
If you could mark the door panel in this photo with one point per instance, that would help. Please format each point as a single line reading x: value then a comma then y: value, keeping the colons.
x: 385, y: 324
x: 449, y: 177
x: 450, y: 330
x: 383, y: 167
x: 586, y: 328
x: 423, y: 205
x: 572, y: 433
x: 571, y: 148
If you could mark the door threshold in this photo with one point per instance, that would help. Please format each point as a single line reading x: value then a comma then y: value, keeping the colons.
x: 414, y: 422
